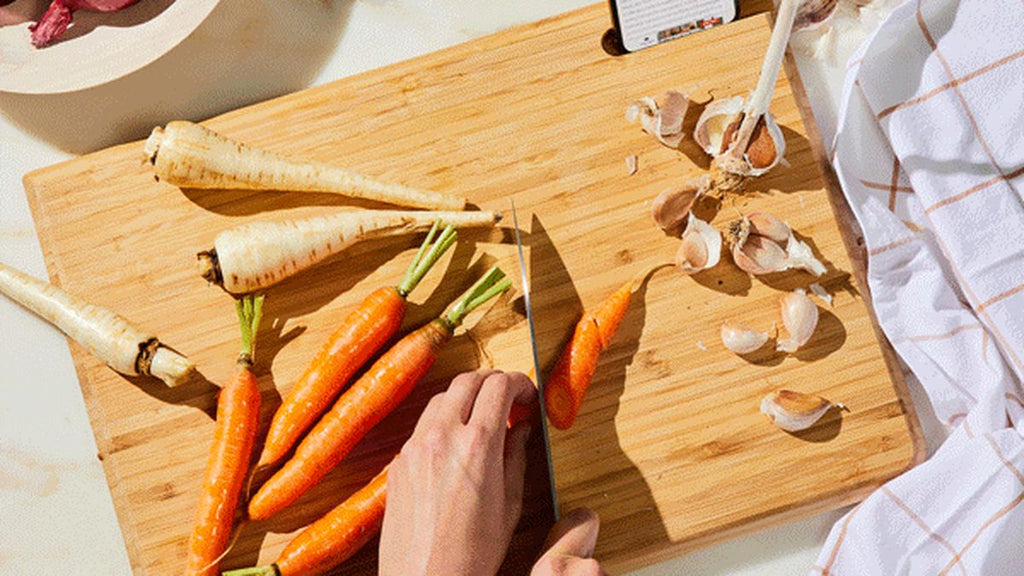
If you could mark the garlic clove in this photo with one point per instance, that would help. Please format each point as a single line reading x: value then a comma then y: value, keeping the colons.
x: 671, y: 209
x: 769, y: 226
x: 741, y: 339
x: 759, y: 255
x: 800, y: 317
x: 813, y: 13
x: 765, y: 150
x: 717, y: 125
x: 794, y: 411
x: 801, y: 256
x: 701, y: 247
x: 664, y: 121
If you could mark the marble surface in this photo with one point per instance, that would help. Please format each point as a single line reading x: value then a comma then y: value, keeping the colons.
x: 56, y: 515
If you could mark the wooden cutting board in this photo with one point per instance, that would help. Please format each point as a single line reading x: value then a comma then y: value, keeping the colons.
x: 669, y: 449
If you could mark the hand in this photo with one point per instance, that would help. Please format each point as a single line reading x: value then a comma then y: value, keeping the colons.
x: 455, y: 491
x: 570, y: 546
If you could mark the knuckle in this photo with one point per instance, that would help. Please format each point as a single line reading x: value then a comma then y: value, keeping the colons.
x: 477, y: 438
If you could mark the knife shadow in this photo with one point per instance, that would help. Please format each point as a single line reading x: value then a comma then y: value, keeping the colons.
x: 617, y: 490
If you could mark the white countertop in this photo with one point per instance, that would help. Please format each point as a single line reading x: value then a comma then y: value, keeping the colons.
x: 56, y: 515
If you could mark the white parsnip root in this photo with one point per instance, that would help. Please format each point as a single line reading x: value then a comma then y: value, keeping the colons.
x: 125, y: 347
x: 254, y: 256
x: 188, y: 155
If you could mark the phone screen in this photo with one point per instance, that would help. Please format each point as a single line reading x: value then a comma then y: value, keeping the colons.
x: 643, y: 23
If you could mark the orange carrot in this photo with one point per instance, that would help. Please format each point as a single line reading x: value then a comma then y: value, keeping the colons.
x: 367, y: 402
x: 331, y: 540
x: 358, y: 338
x: 565, y: 387
x: 238, y: 411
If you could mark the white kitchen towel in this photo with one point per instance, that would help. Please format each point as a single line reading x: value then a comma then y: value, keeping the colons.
x: 930, y: 154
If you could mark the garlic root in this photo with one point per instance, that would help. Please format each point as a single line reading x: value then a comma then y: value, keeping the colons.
x: 794, y: 411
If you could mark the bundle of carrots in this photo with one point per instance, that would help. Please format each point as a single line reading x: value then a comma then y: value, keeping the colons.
x: 344, y: 530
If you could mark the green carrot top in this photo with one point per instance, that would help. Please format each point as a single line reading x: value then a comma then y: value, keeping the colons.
x: 426, y: 257
x: 249, y: 309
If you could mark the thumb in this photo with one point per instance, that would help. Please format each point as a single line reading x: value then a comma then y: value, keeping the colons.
x: 574, y: 535
x: 515, y: 473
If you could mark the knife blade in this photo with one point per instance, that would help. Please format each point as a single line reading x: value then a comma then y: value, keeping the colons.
x: 536, y: 359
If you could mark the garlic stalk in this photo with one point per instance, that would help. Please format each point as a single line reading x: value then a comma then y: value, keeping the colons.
x: 794, y: 411
x: 741, y: 339
x: 701, y: 247
x: 800, y: 317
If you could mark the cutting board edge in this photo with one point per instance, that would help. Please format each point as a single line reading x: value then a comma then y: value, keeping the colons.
x: 79, y: 359
x: 853, y: 241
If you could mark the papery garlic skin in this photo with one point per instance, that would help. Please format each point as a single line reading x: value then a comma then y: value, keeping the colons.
x: 742, y: 340
x: 800, y: 317
x: 717, y: 125
x: 769, y: 226
x: 664, y: 121
x: 794, y: 411
x: 671, y: 209
x: 701, y: 247
x: 801, y: 256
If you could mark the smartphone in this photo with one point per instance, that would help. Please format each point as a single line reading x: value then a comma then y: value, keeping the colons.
x: 643, y: 23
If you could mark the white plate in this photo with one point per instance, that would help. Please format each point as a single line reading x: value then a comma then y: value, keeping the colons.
x: 96, y: 48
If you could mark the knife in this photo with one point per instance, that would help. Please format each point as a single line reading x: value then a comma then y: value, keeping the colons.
x: 536, y: 360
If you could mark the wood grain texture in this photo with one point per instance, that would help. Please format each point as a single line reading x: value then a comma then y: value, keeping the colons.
x: 669, y: 448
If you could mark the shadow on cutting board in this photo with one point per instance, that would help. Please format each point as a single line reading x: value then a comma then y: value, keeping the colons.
x: 619, y: 493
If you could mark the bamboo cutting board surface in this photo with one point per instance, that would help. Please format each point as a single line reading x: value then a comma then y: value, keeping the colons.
x: 670, y: 448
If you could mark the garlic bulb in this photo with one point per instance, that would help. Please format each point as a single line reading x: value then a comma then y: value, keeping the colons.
x: 671, y: 209
x: 763, y: 244
x: 701, y: 247
x: 813, y: 13
x: 664, y: 121
x: 800, y: 317
x: 717, y: 132
x: 742, y: 340
x: 794, y: 411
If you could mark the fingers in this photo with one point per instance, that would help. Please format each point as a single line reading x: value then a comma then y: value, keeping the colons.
x: 515, y: 473
x: 461, y: 394
x: 574, y: 535
x: 568, y: 566
x: 494, y: 401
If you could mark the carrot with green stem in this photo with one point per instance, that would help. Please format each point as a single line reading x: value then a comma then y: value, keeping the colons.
x: 569, y: 380
x: 372, y: 397
x: 332, y: 539
x: 189, y: 155
x: 254, y: 256
x: 126, y: 348
x: 359, y: 336
x: 238, y: 416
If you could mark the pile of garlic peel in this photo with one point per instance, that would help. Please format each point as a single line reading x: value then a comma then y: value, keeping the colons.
x: 794, y: 411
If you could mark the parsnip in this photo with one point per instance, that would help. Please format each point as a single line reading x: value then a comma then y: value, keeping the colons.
x: 188, y: 155
x: 254, y: 256
x: 123, y: 346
